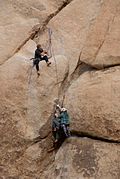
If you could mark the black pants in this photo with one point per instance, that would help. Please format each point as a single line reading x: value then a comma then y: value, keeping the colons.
x: 37, y: 60
x: 56, y: 134
x: 44, y: 58
x: 36, y: 63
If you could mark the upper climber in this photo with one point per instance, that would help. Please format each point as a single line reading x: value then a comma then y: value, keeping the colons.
x: 40, y: 55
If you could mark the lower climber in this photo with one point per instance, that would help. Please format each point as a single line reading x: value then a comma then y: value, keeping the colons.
x: 64, y: 121
x: 60, y: 127
x: 60, y: 124
x: 56, y: 127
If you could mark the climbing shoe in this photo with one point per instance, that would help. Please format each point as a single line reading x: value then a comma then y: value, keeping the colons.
x: 38, y: 74
x: 56, y: 141
x: 48, y: 64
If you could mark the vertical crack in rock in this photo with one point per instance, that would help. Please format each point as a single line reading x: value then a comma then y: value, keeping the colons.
x: 81, y: 68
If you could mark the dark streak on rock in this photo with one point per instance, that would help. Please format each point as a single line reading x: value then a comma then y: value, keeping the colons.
x: 85, y: 160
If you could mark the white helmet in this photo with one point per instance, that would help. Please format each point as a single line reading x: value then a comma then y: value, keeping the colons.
x: 63, y: 109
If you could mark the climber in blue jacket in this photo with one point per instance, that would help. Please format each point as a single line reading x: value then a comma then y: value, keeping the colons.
x: 64, y: 121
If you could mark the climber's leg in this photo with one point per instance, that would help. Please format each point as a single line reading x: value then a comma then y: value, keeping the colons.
x: 46, y: 60
x: 68, y: 130
x: 37, y: 68
x: 64, y: 130
x: 56, y: 135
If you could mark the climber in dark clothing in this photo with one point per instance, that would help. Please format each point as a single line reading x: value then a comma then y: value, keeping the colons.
x: 56, y: 127
x: 40, y: 55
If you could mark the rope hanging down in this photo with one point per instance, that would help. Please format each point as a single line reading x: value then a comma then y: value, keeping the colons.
x: 52, y: 53
x: 49, y: 41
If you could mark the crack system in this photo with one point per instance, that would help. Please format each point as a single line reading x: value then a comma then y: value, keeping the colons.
x: 80, y: 135
x: 79, y: 70
x: 93, y: 137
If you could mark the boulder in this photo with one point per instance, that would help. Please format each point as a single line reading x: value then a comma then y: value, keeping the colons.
x: 93, y: 103
x: 83, y: 158
x: 102, y: 46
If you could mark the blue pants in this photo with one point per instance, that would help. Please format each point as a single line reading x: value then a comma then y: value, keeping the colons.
x: 65, y: 130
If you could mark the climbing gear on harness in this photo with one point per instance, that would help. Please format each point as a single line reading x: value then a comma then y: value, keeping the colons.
x: 63, y: 109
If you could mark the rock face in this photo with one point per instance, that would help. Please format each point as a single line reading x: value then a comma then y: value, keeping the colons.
x: 98, y: 42
x: 85, y: 38
x: 102, y: 46
x: 93, y: 103
x: 26, y: 101
x: 71, y: 26
x: 84, y: 158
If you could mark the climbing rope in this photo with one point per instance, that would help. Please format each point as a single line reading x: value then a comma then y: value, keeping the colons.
x: 49, y: 41
x: 52, y: 53
x: 30, y: 72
